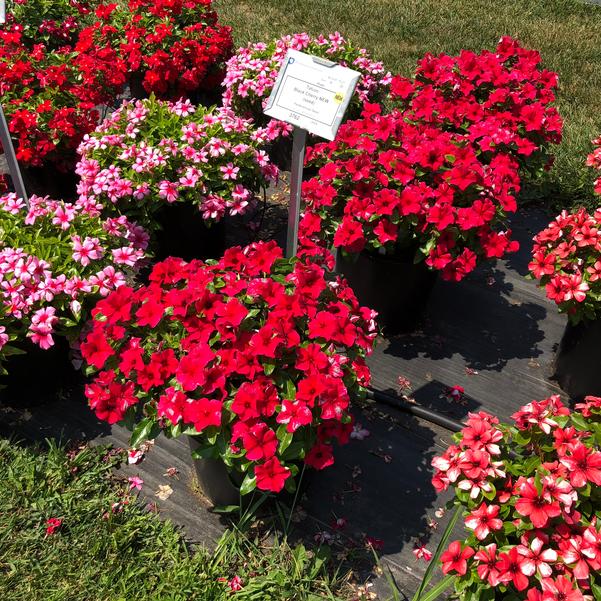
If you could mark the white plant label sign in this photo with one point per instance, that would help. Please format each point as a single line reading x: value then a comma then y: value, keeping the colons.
x: 312, y: 93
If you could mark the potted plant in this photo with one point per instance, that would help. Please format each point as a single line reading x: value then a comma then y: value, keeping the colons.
x: 404, y: 198
x: 502, y: 100
x: 176, y: 168
x: 530, y: 496
x: 567, y: 262
x: 55, y: 261
x: 252, y: 71
x: 255, y: 356
x: 171, y: 48
x: 54, y: 23
x: 434, y: 180
x: 51, y: 99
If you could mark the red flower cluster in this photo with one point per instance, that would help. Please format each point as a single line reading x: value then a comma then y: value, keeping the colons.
x: 500, y: 100
x: 567, y: 261
x: 386, y: 182
x: 174, y: 46
x: 50, y: 98
x: 439, y: 174
x: 532, y: 495
x: 256, y: 355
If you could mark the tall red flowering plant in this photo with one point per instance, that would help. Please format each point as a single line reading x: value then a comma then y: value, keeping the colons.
x: 51, y: 97
x: 56, y: 260
x: 530, y: 496
x: 566, y: 257
x: 255, y: 355
x: 387, y: 184
x: 174, y: 46
x: 501, y: 100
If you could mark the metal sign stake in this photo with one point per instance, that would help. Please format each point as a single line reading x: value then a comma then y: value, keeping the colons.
x: 299, y: 139
x: 6, y: 141
x: 11, y: 159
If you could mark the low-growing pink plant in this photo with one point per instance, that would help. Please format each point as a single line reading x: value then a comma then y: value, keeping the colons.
x: 151, y: 153
x: 253, y: 70
x: 55, y: 261
x: 255, y: 355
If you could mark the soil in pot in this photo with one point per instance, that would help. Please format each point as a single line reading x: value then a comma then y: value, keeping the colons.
x: 38, y: 376
x: 394, y: 286
x: 185, y: 234
x: 577, y: 366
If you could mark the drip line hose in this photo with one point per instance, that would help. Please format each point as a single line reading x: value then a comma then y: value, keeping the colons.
x: 414, y: 409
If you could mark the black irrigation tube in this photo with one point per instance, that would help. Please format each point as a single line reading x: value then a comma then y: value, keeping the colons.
x: 414, y: 409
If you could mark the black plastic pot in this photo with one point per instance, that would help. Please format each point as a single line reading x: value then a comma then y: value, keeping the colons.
x: 222, y: 487
x: 136, y: 89
x: 185, y: 234
x: 280, y: 154
x: 577, y: 366
x: 394, y: 286
x: 48, y: 180
x: 39, y: 375
x: 217, y: 484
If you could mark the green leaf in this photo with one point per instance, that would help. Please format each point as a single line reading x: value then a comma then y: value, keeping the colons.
x: 206, y: 452
x: 225, y: 508
x: 144, y: 431
x: 509, y: 527
x: 579, y: 421
x: 129, y: 420
x: 322, y: 556
x: 284, y: 437
x: 294, y: 451
x: 12, y: 350
x: 248, y: 484
x: 434, y: 561
x: 290, y: 485
x: 438, y: 589
x: 290, y: 390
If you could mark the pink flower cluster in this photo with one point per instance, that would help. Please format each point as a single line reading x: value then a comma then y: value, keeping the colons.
x: 151, y: 152
x: 252, y: 71
x: 566, y: 257
x: 531, y: 495
x: 54, y: 260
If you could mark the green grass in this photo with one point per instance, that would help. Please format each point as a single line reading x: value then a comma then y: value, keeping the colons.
x: 399, y: 32
x: 99, y: 555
